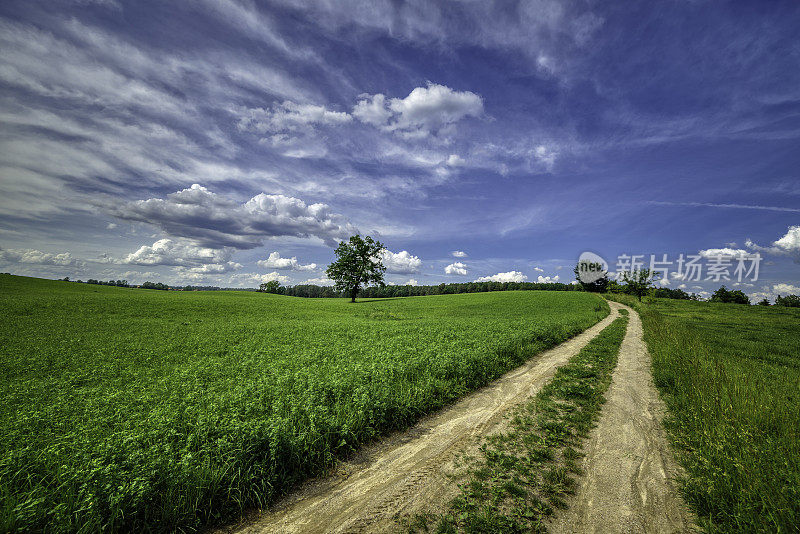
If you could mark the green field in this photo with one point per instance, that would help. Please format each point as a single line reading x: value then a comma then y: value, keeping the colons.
x: 730, y: 375
x: 129, y: 409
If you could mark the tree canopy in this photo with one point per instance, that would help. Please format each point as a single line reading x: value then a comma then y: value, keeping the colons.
x: 357, y: 265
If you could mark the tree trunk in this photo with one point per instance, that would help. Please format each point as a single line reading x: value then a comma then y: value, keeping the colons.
x: 353, y: 294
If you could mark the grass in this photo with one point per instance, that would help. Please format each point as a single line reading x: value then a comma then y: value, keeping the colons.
x: 730, y: 376
x: 521, y: 475
x: 129, y: 410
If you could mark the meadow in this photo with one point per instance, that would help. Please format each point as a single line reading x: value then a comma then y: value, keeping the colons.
x: 730, y: 376
x: 128, y: 409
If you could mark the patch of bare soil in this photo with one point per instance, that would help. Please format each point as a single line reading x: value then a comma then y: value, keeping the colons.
x: 628, y: 483
x: 408, y: 473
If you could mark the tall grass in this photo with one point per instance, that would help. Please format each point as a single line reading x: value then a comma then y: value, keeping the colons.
x: 730, y: 376
x: 130, y: 410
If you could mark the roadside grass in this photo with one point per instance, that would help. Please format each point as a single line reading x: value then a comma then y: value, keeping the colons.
x: 730, y: 377
x: 135, y: 410
x: 522, y: 474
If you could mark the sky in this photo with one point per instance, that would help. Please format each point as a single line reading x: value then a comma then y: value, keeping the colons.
x: 233, y: 142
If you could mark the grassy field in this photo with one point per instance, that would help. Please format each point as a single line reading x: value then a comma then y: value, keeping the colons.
x: 129, y: 409
x: 730, y: 375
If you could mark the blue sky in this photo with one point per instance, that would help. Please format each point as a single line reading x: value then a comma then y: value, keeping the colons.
x: 228, y: 142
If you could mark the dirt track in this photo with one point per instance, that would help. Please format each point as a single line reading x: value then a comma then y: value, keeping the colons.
x: 627, y: 485
x: 406, y: 473
x: 629, y: 471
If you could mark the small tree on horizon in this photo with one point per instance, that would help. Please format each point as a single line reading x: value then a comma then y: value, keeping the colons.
x: 357, y: 265
x: 639, y: 282
x: 598, y: 286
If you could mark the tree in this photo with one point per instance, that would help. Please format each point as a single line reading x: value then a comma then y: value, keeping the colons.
x: 599, y: 284
x: 639, y: 282
x: 357, y: 265
x: 733, y: 297
x: 790, y: 301
x: 273, y: 286
x: 763, y: 302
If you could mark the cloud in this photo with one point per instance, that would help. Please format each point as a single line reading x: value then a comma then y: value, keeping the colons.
x: 547, y: 279
x: 458, y: 254
x: 323, y: 281
x: 788, y: 245
x: 177, y: 253
x: 412, y: 282
x: 456, y: 268
x: 289, y: 116
x: 724, y: 252
x: 770, y: 293
x: 258, y: 278
x: 510, y: 276
x: 425, y: 111
x: 37, y: 257
x: 274, y: 261
x: 216, y: 222
x: 538, y: 270
x: 400, y: 262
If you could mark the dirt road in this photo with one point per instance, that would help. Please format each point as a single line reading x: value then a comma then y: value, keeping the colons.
x: 407, y: 473
x: 628, y: 483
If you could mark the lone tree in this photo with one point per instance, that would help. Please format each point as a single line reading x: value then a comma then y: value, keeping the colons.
x: 639, y: 282
x: 357, y: 265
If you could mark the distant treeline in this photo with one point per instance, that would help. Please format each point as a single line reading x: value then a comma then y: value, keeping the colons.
x: 313, y: 291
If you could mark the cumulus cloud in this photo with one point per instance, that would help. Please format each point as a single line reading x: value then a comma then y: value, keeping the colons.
x: 538, y: 270
x: 216, y: 222
x: 456, y: 268
x: 425, y: 111
x: 274, y: 261
x: 788, y: 245
x: 458, y: 254
x: 177, y: 253
x: 400, y: 262
x: 412, y: 282
x: 771, y: 292
x: 510, y: 276
x: 37, y: 257
x: 547, y: 279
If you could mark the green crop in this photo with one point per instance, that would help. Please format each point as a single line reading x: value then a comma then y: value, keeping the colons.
x: 128, y: 409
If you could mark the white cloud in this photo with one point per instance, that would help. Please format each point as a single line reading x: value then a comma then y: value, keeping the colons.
x: 372, y: 110
x: 258, y: 278
x: 178, y: 253
x: 538, y: 270
x: 458, y: 254
x: 323, y: 281
x: 510, y: 276
x: 412, y: 282
x: 37, y: 257
x: 456, y: 268
x: 724, y: 252
x: 274, y: 261
x: 547, y: 279
x: 288, y: 116
x: 788, y: 245
x: 454, y: 160
x: 400, y: 262
x: 214, y: 221
x: 425, y: 111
